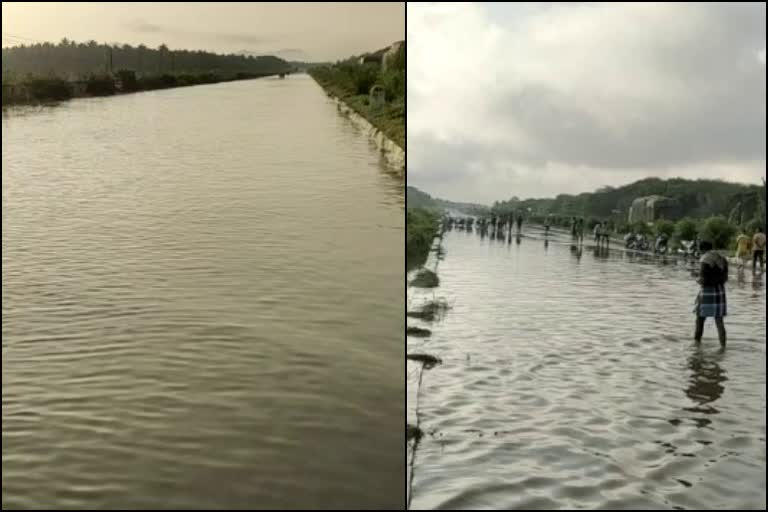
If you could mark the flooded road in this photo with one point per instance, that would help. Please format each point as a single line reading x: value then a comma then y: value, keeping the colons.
x: 572, y: 381
x: 202, y: 303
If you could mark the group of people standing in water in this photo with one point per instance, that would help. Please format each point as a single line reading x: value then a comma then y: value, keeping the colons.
x: 712, y: 273
x: 600, y: 230
x: 496, y: 225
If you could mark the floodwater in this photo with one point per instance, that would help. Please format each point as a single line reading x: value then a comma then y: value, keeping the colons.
x: 572, y: 381
x: 202, y: 303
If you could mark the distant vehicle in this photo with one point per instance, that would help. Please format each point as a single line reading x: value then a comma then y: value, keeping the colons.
x: 636, y: 242
x: 690, y: 248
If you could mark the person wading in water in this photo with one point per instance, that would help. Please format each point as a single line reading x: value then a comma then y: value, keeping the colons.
x: 573, y: 229
x: 758, y: 249
x: 710, y: 302
x: 742, y: 249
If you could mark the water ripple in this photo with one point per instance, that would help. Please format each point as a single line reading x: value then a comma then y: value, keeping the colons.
x: 571, y: 381
x: 202, y: 303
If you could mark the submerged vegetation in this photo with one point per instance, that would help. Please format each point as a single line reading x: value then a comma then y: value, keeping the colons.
x: 427, y: 360
x: 431, y: 311
x: 418, y: 332
x: 425, y: 279
x: 413, y: 432
x: 353, y: 79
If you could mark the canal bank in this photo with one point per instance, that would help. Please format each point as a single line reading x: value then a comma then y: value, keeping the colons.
x: 424, y: 309
x: 373, y: 96
x: 393, y: 154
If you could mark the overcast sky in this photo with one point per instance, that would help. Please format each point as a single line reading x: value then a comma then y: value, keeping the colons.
x: 538, y: 100
x: 313, y: 31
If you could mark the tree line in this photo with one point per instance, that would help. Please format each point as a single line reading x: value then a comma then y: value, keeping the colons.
x: 711, y: 209
x: 72, y: 59
x: 739, y: 203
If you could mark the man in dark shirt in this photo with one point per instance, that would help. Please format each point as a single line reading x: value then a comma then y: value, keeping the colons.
x: 711, y: 301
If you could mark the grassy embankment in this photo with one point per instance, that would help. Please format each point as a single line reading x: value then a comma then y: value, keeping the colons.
x: 352, y: 82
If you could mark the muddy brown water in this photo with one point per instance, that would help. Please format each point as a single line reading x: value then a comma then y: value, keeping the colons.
x: 202, y: 303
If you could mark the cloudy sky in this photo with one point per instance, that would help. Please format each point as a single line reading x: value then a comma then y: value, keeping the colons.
x: 538, y: 100
x: 312, y: 31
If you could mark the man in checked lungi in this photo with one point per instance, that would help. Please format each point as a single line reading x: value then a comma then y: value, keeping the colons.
x: 710, y: 301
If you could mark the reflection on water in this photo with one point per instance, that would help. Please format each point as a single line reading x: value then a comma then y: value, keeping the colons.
x: 569, y: 379
x: 707, y: 381
x: 202, y: 303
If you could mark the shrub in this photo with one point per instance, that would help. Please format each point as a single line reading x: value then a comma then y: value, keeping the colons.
x: 641, y: 227
x: 100, y: 85
x: 665, y: 227
x: 48, y: 89
x: 718, y: 231
x: 128, y: 80
x: 365, y: 77
x: 685, y: 229
x: 394, y: 84
x: 421, y: 229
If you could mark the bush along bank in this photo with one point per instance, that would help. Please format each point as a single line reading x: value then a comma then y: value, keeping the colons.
x: 375, y: 90
x: 35, y: 89
x: 421, y: 229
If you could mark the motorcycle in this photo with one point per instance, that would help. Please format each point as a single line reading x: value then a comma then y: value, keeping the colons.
x: 636, y: 242
x: 690, y: 248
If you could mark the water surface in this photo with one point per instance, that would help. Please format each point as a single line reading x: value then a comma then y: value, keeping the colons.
x: 202, y: 303
x: 571, y: 381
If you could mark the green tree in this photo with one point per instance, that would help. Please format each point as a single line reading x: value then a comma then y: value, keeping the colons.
x: 718, y: 231
x: 751, y: 226
x: 685, y: 229
x: 641, y: 228
x: 664, y: 227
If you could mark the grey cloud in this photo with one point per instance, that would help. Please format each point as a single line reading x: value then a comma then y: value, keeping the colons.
x: 725, y: 123
x: 687, y: 92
